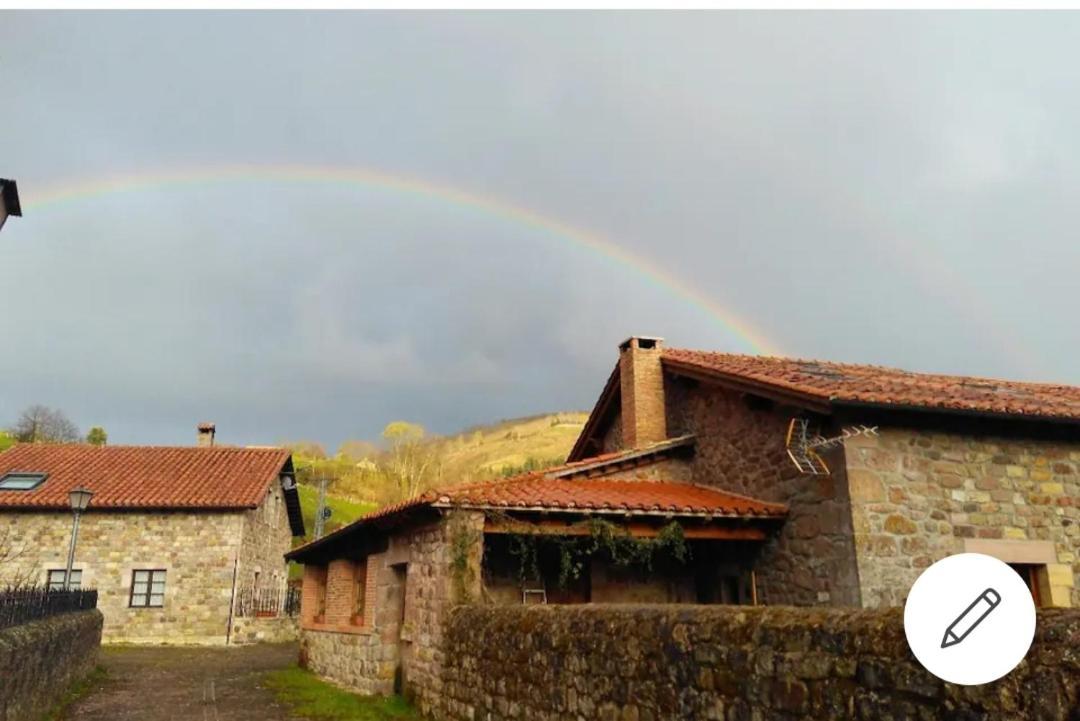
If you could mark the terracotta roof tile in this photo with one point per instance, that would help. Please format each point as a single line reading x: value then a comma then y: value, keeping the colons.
x: 847, y: 382
x: 535, y: 491
x: 143, y: 476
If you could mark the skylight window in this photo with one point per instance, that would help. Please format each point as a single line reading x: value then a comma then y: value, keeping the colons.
x: 21, y: 481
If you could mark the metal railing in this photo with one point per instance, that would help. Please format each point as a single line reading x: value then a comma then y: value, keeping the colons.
x: 268, y: 602
x: 29, y: 603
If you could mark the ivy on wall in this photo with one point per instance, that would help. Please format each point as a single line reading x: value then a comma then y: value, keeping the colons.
x: 601, y: 537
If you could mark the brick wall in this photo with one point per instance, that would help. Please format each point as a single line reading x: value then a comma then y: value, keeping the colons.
x: 40, y: 660
x: 650, y: 663
x: 642, y: 392
x: 920, y: 495
x: 741, y: 448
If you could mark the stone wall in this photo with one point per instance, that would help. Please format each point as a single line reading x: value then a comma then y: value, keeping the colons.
x: 197, y: 551
x: 277, y: 629
x: 920, y: 495
x: 266, y: 538
x: 413, y: 583
x: 41, y: 659
x: 740, y: 447
x: 651, y: 663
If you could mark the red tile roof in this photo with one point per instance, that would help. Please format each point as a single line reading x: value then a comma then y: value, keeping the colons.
x: 849, y: 383
x: 547, y: 490
x: 130, y: 477
x: 535, y: 491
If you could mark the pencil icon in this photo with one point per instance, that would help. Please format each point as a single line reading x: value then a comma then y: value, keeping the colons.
x: 972, y: 616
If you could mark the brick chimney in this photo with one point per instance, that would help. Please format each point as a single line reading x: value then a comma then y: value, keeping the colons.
x: 641, y: 379
x: 205, y: 437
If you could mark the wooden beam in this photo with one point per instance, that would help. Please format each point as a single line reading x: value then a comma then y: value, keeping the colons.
x: 636, y: 529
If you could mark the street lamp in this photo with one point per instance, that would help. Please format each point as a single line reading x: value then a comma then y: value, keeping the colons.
x: 80, y: 499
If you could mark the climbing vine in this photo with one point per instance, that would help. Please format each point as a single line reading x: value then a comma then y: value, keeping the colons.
x: 463, y: 541
x: 598, y: 537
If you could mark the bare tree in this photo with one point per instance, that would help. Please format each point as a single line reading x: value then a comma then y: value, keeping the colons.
x: 41, y: 424
x: 15, y: 568
x: 412, y: 463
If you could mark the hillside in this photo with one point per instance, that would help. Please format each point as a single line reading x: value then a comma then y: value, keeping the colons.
x: 480, y: 452
x: 510, y: 446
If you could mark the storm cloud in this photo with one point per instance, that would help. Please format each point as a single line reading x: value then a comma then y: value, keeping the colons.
x: 892, y: 188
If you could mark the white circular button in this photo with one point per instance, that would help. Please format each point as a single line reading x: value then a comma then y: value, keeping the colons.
x: 969, y: 619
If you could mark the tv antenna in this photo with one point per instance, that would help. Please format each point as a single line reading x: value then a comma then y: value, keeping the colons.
x: 803, y: 444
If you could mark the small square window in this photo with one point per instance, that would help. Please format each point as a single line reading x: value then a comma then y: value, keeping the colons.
x: 56, y: 579
x: 21, y: 481
x: 148, y: 589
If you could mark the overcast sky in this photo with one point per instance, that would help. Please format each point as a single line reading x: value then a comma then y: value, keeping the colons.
x: 886, y: 188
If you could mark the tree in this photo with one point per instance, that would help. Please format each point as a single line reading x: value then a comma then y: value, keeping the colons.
x: 358, y: 450
x: 6, y: 440
x: 97, y: 436
x: 307, y: 449
x: 410, y: 461
x: 41, y: 424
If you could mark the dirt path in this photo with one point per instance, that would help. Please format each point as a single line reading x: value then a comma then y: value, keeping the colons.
x: 186, y: 684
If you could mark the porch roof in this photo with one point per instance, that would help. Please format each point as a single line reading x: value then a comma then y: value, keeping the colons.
x: 539, y: 492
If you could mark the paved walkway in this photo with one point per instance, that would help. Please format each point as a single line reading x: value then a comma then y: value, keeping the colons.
x: 163, y: 683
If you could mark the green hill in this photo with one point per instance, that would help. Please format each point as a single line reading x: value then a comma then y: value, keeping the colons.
x: 481, y: 452
x: 510, y: 446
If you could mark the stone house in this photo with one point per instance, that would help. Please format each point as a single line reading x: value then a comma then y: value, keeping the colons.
x: 171, y: 537
x: 705, y: 440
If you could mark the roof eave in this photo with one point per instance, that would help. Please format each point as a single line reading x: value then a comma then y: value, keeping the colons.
x: 772, y: 391
x: 623, y: 512
x: 597, y: 415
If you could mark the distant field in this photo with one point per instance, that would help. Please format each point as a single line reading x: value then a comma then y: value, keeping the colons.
x: 344, y: 511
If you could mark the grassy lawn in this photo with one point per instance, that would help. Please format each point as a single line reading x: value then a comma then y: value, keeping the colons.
x: 317, y: 700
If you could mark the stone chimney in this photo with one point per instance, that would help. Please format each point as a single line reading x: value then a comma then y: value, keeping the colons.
x: 644, y: 419
x: 205, y: 437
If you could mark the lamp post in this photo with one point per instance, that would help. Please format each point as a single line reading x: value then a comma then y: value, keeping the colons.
x: 80, y: 499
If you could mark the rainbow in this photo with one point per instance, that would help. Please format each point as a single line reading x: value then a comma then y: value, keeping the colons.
x: 371, y: 178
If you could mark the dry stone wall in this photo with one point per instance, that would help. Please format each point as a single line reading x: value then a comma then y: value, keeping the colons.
x: 654, y: 663
x: 41, y: 659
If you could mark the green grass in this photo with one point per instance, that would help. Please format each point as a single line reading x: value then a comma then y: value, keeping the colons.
x: 317, y: 700
x: 344, y: 512
x: 78, y: 690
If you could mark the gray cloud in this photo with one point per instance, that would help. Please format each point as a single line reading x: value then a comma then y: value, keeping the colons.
x: 886, y: 187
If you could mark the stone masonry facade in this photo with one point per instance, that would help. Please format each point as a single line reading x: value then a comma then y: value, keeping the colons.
x: 920, y: 495
x: 740, y: 447
x: 396, y: 642
x: 890, y: 506
x: 199, y: 552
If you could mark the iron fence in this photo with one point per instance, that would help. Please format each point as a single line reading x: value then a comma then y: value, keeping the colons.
x: 268, y: 602
x: 29, y: 603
